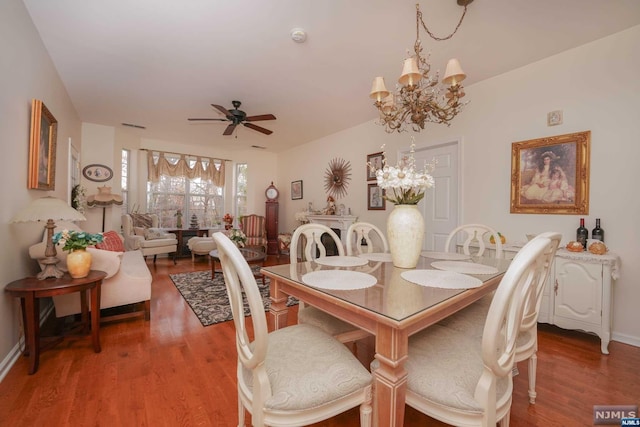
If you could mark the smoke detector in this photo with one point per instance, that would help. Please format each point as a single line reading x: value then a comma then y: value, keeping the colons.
x: 298, y: 35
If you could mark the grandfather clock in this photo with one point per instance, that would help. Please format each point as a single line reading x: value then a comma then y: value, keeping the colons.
x: 271, y: 218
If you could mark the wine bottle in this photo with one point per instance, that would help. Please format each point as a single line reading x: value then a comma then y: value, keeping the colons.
x: 582, y: 234
x: 598, y: 233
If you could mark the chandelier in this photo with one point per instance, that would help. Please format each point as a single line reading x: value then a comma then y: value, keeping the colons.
x: 418, y: 98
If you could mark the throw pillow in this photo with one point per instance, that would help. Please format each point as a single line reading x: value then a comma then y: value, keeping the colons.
x: 111, y: 242
x: 138, y: 231
x: 141, y: 220
x: 153, y: 234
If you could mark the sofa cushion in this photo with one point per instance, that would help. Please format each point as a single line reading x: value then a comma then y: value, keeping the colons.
x: 111, y: 242
x: 139, y: 231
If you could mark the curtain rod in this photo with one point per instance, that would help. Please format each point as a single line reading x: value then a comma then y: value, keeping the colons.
x: 184, y: 154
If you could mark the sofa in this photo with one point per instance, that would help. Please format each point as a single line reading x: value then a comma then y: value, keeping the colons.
x: 128, y: 280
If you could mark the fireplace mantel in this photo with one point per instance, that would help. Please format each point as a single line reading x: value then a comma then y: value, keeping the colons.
x: 339, y: 222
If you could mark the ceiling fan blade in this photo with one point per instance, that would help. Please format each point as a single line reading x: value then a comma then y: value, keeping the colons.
x: 223, y: 110
x: 258, y: 128
x: 260, y: 117
x: 229, y: 130
x: 204, y: 120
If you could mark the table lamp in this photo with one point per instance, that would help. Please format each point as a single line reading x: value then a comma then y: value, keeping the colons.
x: 48, y: 209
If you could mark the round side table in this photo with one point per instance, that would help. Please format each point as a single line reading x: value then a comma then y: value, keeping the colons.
x: 31, y: 289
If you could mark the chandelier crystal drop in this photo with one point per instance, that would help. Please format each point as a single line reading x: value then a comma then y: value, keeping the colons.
x: 419, y: 98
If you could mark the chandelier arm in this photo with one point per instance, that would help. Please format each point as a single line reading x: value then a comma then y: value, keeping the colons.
x: 433, y: 36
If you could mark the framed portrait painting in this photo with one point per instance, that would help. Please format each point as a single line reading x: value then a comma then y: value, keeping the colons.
x: 375, y: 198
x: 373, y: 161
x: 42, y: 148
x: 551, y: 175
x: 296, y: 190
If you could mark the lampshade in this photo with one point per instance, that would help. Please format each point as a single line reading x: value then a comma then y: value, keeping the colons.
x: 453, y: 74
x: 378, y: 89
x: 47, y: 208
x: 410, y: 72
x: 104, y: 198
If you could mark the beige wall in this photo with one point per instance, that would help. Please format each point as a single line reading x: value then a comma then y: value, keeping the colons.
x: 27, y: 72
x: 510, y: 108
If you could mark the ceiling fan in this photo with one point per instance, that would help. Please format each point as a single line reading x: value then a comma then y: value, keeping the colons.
x: 237, y: 117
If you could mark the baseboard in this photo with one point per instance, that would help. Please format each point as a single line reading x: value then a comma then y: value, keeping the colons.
x: 626, y: 339
x: 15, y: 353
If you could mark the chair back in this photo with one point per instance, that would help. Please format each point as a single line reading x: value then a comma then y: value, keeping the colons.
x: 474, y: 233
x: 254, y: 227
x: 532, y: 310
x: 505, y: 316
x: 313, y: 234
x: 239, y: 280
x: 370, y: 233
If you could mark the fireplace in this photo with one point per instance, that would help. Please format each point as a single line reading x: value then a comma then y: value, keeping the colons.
x: 329, y: 244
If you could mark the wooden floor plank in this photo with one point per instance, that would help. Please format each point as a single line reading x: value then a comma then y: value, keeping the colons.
x: 172, y: 371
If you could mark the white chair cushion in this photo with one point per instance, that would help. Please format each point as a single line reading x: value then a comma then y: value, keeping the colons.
x: 444, y: 367
x: 310, y: 315
x: 158, y: 243
x: 308, y: 368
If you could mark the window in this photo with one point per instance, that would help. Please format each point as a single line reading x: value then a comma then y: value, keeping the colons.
x: 124, y: 181
x: 192, y: 196
x: 241, y: 189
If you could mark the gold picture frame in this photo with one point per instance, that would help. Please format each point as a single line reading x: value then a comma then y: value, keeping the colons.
x: 551, y: 175
x: 42, y: 148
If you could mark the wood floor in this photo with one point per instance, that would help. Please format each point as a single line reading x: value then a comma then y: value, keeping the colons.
x: 171, y: 371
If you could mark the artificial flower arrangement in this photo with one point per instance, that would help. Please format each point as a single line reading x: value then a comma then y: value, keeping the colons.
x: 238, y: 237
x: 73, y: 240
x: 301, y: 217
x: 405, y: 182
x: 78, y: 198
x: 227, y: 218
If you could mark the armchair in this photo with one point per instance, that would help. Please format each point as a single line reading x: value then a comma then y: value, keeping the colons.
x: 254, y: 227
x: 150, y: 240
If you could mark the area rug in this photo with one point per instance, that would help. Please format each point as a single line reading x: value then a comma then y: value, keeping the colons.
x: 208, y: 298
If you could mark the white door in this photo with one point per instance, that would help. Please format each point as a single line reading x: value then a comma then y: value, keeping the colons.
x: 440, y: 204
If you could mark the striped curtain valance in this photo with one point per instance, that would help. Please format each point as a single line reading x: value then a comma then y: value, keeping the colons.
x: 205, y: 168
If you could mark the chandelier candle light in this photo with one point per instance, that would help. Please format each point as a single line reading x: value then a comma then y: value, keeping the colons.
x: 419, y: 99
x: 405, y: 226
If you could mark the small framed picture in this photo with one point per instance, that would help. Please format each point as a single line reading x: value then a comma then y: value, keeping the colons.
x: 296, y: 190
x: 375, y: 198
x: 373, y: 161
x: 97, y: 173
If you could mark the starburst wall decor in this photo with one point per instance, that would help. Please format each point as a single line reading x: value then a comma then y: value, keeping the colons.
x: 336, y: 177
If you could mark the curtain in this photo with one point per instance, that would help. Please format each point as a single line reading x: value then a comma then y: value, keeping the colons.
x: 208, y: 169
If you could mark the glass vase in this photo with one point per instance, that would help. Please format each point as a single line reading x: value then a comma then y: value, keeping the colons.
x: 79, y: 263
x: 405, y: 231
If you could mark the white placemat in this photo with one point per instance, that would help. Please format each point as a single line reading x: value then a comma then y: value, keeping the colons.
x: 341, y: 261
x: 445, y: 255
x: 464, y: 267
x: 339, y: 279
x: 377, y: 256
x: 441, y: 279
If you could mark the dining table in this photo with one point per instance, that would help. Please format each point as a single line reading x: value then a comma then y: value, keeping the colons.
x: 390, y: 303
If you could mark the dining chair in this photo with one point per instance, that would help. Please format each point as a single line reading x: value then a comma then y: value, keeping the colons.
x: 293, y: 376
x: 371, y: 235
x: 463, y: 381
x: 470, y: 320
x: 474, y: 233
x: 307, y: 314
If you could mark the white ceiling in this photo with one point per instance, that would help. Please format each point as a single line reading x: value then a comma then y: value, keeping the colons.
x: 157, y: 62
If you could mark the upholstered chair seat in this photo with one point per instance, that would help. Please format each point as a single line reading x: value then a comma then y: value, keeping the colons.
x: 254, y: 227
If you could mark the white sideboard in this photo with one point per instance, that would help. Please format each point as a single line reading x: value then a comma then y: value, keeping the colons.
x: 578, y: 294
x: 578, y: 291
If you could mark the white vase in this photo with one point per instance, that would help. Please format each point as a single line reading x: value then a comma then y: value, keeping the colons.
x: 405, y: 230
